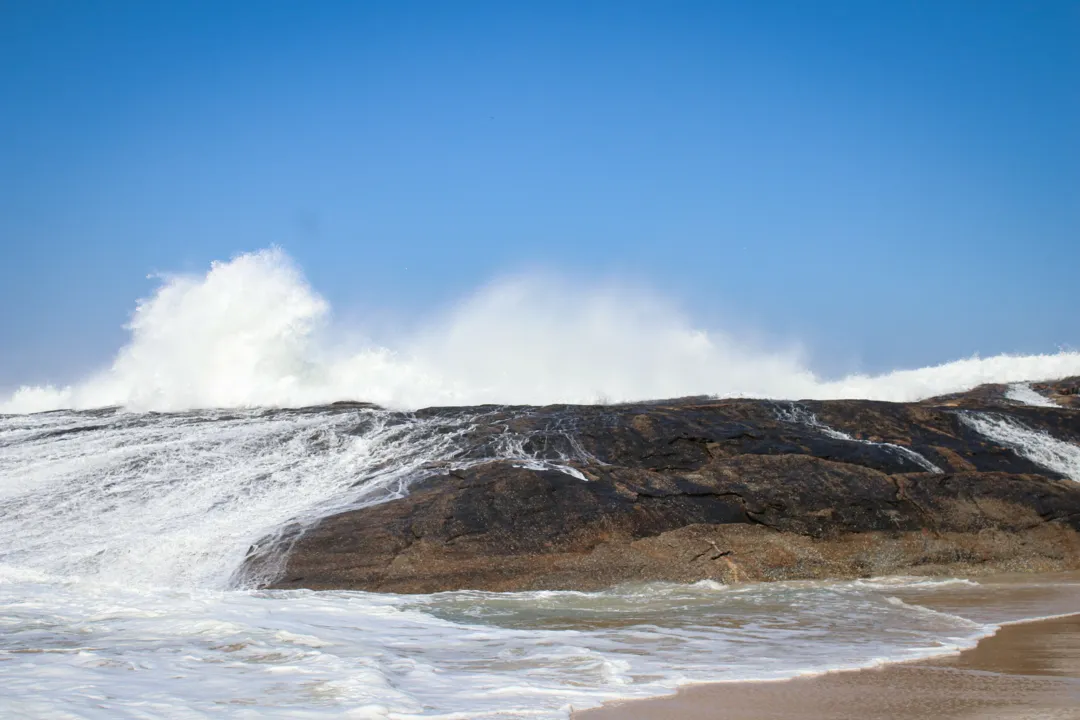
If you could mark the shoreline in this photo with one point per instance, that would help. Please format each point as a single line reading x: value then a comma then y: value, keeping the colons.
x: 1029, y: 667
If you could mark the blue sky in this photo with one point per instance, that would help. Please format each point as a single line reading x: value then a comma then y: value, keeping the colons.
x: 893, y: 184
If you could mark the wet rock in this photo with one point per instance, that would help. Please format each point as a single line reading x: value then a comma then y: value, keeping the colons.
x: 729, y: 490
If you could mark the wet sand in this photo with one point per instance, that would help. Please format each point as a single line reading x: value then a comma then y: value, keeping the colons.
x: 1025, y: 670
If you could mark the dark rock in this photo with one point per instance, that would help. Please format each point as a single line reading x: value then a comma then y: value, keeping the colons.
x: 722, y: 489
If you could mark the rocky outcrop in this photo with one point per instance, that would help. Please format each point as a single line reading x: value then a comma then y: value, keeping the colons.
x: 729, y: 490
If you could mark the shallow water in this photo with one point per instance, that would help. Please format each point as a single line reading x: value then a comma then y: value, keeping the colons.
x: 104, y: 650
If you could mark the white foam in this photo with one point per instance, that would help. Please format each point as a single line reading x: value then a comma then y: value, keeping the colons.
x: 176, y: 500
x: 1024, y: 393
x: 107, y: 652
x: 251, y: 332
x: 1037, y: 446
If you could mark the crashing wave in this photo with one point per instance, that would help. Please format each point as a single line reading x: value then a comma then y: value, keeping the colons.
x: 252, y: 332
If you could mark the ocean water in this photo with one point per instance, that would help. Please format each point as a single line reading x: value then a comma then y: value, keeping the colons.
x: 121, y: 535
x: 127, y: 510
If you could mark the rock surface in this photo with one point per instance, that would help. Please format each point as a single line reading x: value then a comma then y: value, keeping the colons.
x: 729, y: 490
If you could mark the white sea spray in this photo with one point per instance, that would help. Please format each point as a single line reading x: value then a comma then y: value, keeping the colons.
x: 252, y: 332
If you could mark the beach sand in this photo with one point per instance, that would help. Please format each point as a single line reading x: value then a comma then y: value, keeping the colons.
x: 1025, y: 670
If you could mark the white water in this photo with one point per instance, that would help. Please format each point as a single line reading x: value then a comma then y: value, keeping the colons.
x: 120, y: 535
x: 1025, y: 394
x: 177, y: 499
x: 251, y: 332
x: 94, y: 651
x: 795, y: 413
x: 1037, y: 446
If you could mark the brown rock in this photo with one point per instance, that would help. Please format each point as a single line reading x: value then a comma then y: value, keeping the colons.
x: 729, y: 490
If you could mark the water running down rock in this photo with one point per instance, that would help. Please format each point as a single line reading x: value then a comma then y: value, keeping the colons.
x: 722, y: 490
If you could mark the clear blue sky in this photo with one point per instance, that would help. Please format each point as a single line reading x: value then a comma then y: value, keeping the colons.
x: 893, y: 183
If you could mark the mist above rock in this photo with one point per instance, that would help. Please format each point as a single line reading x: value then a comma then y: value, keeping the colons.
x: 251, y: 332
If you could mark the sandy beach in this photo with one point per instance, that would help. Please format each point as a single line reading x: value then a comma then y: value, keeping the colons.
x: 1025, y: 670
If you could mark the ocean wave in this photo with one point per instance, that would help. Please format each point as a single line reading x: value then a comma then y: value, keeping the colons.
x: 252, y: 332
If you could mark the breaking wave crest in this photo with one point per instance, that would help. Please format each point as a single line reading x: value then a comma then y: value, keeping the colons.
x: 252, y: 332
